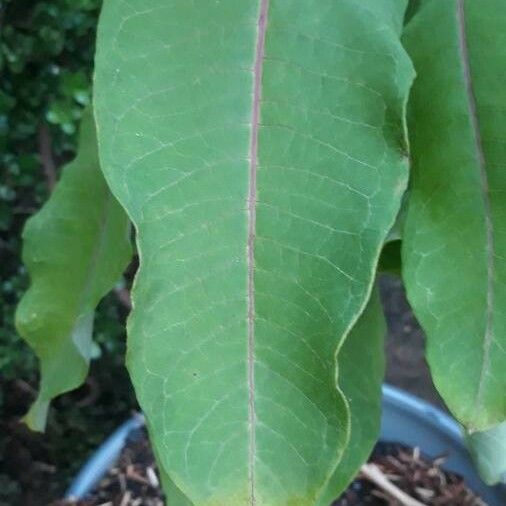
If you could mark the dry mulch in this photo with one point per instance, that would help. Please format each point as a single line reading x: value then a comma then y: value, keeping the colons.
x: 420, y: 478
x: 134, y: 481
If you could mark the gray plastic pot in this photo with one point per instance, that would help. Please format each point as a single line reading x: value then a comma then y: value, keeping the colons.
x: 406, y: 420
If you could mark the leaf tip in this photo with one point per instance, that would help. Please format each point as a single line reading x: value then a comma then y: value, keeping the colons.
x: 36, y: 417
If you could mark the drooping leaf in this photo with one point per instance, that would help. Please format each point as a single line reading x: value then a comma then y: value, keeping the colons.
x: 454, y: 244
x: 488, y: 449
x: 258, y: 148
x: 361, y: 364
x: 75, y: 249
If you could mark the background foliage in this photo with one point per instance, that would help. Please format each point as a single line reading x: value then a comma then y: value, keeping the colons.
x: 46, y: 55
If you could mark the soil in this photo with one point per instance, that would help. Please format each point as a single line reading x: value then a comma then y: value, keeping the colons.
x: 134, y: 480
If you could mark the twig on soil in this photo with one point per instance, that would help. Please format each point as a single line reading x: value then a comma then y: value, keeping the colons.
x: 126, y: 499
x: 46, y: 155
x: 373, y: 473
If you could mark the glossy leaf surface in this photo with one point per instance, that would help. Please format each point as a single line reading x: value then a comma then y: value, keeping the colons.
x: 75, y: 249
x: 258, y: 149
x: 454, y: 243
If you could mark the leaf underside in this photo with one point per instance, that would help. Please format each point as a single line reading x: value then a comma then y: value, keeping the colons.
x: 75, y: 249
x: 488, y: 449
x: 257, y: 147
x: 454, y: 242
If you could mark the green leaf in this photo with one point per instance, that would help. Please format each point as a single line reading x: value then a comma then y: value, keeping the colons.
x: 488, y: 449
x: 361, y: 363
x: 258, y: 149
x: 390, y: 261
x: 413, y: 6
x: 75, y: 249
x: 454, y: 245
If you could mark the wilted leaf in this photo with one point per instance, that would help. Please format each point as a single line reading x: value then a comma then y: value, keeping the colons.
x: 262, y: 180
x: 454, y: 236
x: 75, y: 249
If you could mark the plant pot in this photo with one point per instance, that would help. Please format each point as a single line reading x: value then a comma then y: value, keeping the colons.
x: 406, y: 420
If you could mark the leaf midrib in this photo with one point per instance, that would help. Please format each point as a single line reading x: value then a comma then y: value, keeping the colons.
x: 471, y: 99
x: 252, y: 195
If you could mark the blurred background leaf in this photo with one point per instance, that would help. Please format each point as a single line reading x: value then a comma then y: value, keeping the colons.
x: 76, y: 248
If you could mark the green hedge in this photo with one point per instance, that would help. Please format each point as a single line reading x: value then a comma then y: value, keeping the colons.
x: 46, y: 55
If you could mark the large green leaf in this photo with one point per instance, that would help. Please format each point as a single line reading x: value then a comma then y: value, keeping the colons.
x: 75, y: 249
x: 361, y: 370
x: 258, y: 148
x: 454, y: 243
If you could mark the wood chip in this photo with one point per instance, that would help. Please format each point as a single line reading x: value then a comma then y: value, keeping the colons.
x: 153, y: 479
